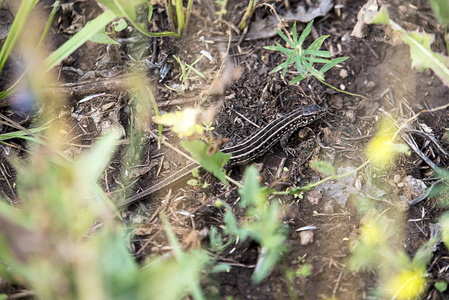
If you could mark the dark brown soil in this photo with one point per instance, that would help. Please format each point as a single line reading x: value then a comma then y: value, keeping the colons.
x: 375, y: 69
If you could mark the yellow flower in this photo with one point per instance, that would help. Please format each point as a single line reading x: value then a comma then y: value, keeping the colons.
x: 371, y: 234
x: 183, y: 123
x: 407, y: 284
x: 382, y: 150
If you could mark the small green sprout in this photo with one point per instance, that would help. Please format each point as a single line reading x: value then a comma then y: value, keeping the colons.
x: 186, y: 69
x: 197, y: 180
x: 304, y: 58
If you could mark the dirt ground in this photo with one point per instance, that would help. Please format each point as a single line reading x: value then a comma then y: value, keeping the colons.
x: 376, y: 69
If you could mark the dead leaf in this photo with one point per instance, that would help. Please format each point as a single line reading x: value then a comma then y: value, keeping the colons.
x: 366, y: 12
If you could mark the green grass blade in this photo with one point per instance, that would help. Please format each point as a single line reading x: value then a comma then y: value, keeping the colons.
x: 12, y: 89
x: 316, y: 45
x: 125, y: 8
x: 78, y: 39
x: 295, y: 34
x: 305, y: 33
x: 49, y: 22
x: 285, y: 38
x: 319, y: 75
x: 317, y: 60
x: 180, y: 15
x: 318, y: 53
x: 278, y: 68
x: 297, y: 79
x: 192, y: 68
x: 299, y: 66
x: 280, y: 48
x: 16, y: 28
x: 188, y: 11
x: 333, y: 63
x: 289, y: 61
x: 21, y: 134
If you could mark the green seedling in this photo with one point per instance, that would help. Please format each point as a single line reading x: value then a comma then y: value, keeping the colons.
x: 186, y: 70
x: 261, y: 223
x: 304, y: 59
x: 196, y: 181
x: 222, y: 6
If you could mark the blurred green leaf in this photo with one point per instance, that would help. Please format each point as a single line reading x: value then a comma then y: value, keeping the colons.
x: 193, y: 182
x: 423, y: 57
x: 231, y: 227
x: 444, y: 221
x: 323, y: 167
x: 212, y: 163
x: 251, y: 192
x: 269, y: 232
x: 441, y: 286
x: 425, y: 253
x: 102, y: 38
x: 119, y: 270
x: 23, y: 135
x: 381, y: 17
x: 215, y: 239
x: 20, y: 20
x: 221, y: 267
x: 441, y: 10
x: 94, y: 161
x: 119, y: 25
x: 171, y: 278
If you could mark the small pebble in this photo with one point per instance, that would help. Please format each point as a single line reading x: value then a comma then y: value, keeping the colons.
x: 306, y: 237
x: 343, y: 73
x: 369, y: 85
x: 329, y: 207
x: 314, y: 197
x: 397, y: 178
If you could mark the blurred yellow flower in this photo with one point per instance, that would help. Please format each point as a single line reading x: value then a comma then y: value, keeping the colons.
x: 183, y: 123
x: 407, y: 284
x: 371, y: 234
x: 382, y: 150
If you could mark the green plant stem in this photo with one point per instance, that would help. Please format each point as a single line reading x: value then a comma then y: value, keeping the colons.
x: 235, y: 182
x: 344, y: 92
x: 189, y: 9
x: 170, y: 13
x: 248, y: 13
x: 17, y: 26
x: 117, y: 52
x: 446, y: 39
x: 180, y: 15
x: 49, y: 22
x: 332, y: 177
